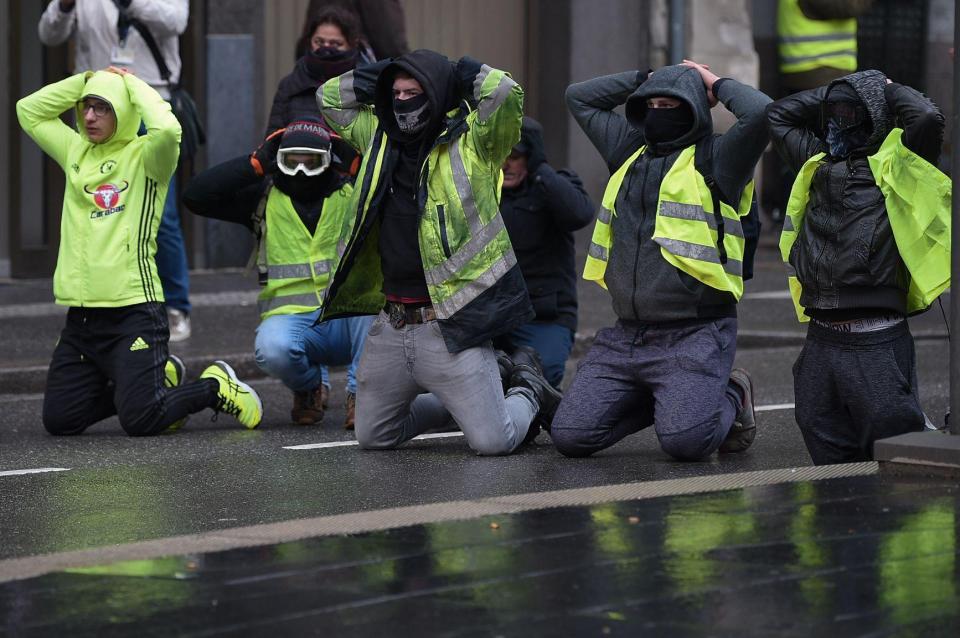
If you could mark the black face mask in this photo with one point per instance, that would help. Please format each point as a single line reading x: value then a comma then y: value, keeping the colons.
x: 305, y: 189
x: 412, y: 114
x: 848, y: 127
x: 666, y: 125
x: 327, y: 62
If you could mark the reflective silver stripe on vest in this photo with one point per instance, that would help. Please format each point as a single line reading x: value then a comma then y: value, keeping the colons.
x: 597, y: 251
x: 791, y: 271
x: 341, y: 248
x: 808, y: 58
x: 322, y: 267
x: 825, y: 37
x: 788, y: 224
x: 450, y: 267
x: 605, y: 216
x: 477, y: 287
x: 289, y: 271
x: 492, y: 102
x: 700, y: 253
x: 479, y: 80
x: 696, y: 213
x: 268, y: 305
x: 348, y: 102
x: 464, y: 189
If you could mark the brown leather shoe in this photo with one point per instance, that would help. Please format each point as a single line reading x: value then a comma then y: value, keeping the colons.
x: 308, y: 406
x: 351, y: 407
x: 324, y: 396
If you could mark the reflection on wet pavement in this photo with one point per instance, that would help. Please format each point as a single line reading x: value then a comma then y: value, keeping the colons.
x: 860, y: 556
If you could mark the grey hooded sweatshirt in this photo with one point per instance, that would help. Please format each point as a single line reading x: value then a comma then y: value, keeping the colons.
x: 643, y: 285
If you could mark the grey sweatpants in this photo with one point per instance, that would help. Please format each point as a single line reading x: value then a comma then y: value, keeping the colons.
x: 399, y: 367
x: 674, y: 377
x: 854, y: 388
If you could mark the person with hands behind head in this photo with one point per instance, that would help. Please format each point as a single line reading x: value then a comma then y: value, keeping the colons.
x: 112, y: 356
x: 283, y: 192
x: 427, y: 249
x: 669, y: 246
x: 542, y: 207
x: 866, y: 239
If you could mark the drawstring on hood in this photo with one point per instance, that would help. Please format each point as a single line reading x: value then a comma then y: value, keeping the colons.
x: 680, y: 82
x: 111, y: 88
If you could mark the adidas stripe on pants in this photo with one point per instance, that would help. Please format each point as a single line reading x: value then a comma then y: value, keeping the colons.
x: 110, y: 361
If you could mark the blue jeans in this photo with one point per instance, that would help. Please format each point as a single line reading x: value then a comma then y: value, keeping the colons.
x: 296, y: 350
x: 172, y: 254
x: 552, y: 342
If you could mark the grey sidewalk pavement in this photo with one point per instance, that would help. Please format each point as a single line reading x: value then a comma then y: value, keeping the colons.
x: 225, y: 319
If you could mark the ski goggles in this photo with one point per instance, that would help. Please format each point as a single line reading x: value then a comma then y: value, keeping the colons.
x: 309, y: 161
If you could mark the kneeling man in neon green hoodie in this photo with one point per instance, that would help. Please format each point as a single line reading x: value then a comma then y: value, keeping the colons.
x: 112, y: 356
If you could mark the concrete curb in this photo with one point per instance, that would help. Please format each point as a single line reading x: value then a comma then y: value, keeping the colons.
x: 32, y: 379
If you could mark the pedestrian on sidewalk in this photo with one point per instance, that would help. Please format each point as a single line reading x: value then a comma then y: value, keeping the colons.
x: 427, y: 248
x: 112, y: 354
x: 103, y: 37
x: 542, y: 207
x: 669, y: 245
x: 867, y: 242
x: 282, y: 192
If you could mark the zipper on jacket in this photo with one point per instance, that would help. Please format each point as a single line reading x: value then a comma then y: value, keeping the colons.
x: 643, y: 216
x: 443, y: 231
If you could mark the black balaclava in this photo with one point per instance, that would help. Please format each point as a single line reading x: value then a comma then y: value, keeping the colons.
x: 665, y: 125
x: 847, y: 125
x: 328, y: 62
x: 412, y: 114
x: 303, y: 188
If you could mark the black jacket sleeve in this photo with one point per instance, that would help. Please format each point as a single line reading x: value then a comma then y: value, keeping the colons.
x: 565, y: 198
x: 229, y: 191
x: 795, y: 126
x: 921, y: 120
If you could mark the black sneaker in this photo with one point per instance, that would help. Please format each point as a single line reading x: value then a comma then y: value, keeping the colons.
x: 744, y: 429
x: 548, y: 398
x: 505, y: 363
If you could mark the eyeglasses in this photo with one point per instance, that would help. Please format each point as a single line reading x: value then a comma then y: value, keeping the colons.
x: 309, y: 161
x: 99, y: 108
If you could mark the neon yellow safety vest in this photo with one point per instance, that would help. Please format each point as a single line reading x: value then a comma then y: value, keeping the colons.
x: 685, y: 228
x: 464, y: 245
x: 917, y: 197
x: 298, y: 263
x: 806, y: 44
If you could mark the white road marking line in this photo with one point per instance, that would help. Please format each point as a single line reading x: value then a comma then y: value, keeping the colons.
x: 774, y: 406
x: 768, y: 294
x: 314, y: 446
x: 34, y: 471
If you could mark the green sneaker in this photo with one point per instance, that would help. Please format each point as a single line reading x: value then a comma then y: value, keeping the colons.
x: 174, y: 373
x: 235, y: 397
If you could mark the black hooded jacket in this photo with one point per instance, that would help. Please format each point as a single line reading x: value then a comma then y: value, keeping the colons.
x: 399, y: 210
x: 845, y: 255
x: 541, y: 215
x: 643, y: 285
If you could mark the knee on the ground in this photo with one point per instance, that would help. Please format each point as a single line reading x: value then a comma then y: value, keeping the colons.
x: 273, y: 351
x: 574, y: 442
x: 63, y: 424
x: 692, y: 445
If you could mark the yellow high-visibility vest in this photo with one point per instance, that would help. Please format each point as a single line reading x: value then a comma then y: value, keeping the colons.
x: 806, y: 44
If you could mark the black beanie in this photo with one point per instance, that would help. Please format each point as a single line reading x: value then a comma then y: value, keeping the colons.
x: 305, y: 134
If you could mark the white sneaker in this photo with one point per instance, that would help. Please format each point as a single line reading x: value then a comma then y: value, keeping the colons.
x: 179, y: 322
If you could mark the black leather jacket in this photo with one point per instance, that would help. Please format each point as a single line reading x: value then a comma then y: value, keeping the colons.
x: 845, y: 255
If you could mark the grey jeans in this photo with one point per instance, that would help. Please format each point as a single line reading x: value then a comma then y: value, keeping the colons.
x: 408, y: 383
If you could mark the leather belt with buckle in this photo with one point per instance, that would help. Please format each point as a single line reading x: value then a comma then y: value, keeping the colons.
x: 400, y: 315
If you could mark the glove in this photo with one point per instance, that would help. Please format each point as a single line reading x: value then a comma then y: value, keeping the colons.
x: 264, y: 159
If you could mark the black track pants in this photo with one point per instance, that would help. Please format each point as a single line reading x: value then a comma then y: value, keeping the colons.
x: 854, y: 388
x: 111, y: 361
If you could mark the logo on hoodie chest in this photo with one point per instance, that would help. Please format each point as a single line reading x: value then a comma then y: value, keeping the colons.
x: 107, y: 198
